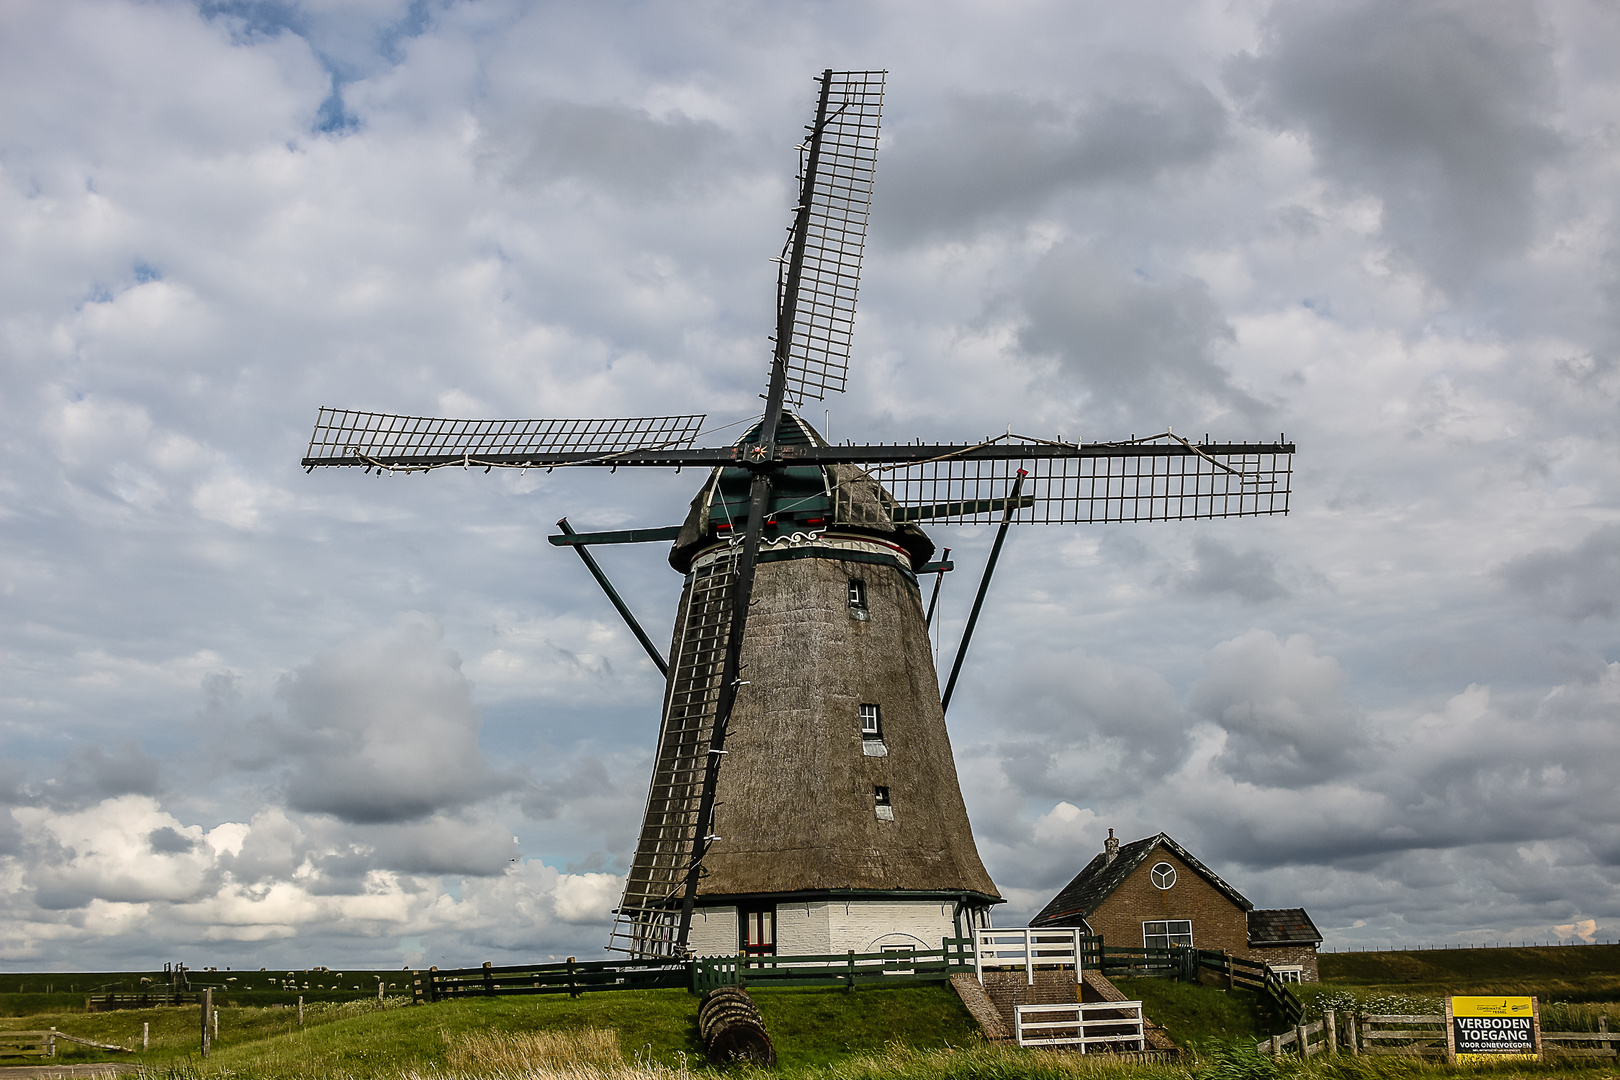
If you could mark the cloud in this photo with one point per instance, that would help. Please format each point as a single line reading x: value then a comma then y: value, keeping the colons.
x: 1441, y: 109
x: 1250, y: 576
x: 1131, y: 343
x: 383, y: 729
x: 1282, y: 707
x: 997, y: 157
x: 1576, y: 583
x: 611, y: 148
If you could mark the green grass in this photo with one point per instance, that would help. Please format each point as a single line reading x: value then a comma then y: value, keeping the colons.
x: 1571, y: 973
x: 1195, y: 1016
x: 809, y: 1027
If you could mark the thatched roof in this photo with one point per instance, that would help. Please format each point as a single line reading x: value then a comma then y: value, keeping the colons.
x: 796, y: 793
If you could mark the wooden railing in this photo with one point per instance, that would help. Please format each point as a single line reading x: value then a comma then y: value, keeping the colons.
x: 1027, y: 949
x: 1113, y: 1024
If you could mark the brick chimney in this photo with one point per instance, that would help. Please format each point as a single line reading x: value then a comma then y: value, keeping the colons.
x: 1111, y: 847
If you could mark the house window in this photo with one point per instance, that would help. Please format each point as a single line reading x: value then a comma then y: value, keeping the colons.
x: 1167, y: 932
x: 871, y: 722
x: 1163, y: 875
x: 1289, y: 973
x: 897, y: 960
x: 758, y: 931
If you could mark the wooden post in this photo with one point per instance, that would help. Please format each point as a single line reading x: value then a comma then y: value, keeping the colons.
x: 1226, y: 957
x: 50, y: 1044
x: 1303, y: 1039
x: 146, y: 1035
x: 300, y: 1010
x: 379, y: 993
x: 852, y: 969
x: 1276, y: 1046
x: 573, y: 991
x: 1603, y: 1026
x: 1330, y: 1031
x: 489, y: 981
x: 1535, y: 1025
x: 207, y: 1007
x: 216, y: 1023
x: 1451, y: 1035
x: 1350, y: 1022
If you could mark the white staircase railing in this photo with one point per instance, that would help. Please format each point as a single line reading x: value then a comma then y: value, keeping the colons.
x: 1097, y: 1023
x: 997, y: 949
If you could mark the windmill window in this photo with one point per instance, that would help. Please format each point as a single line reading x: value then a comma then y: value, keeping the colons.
x: 1167, y: 932
x: 871, y: 722
x: 857, y: 599
x: 880, y: 795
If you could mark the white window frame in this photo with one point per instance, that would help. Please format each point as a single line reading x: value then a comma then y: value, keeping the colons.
x: 1167, y: 937
x: 857, y: 593
x: 1288, y: 973
x: 873, y: 730
x: 1163, y: 876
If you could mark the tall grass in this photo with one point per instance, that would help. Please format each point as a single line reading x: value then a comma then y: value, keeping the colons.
x: 500, y: 1053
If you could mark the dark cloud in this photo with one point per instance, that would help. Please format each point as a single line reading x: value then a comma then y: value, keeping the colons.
x: 1131, y: 342
x: 614, y: 148
x: 1283, y: 709
x: 1440, y: 108
x: 90, y: 774
x: 1219, y: 569
x: 169, y: 841
x: 997, y: 156
x: 1577, y: 583
x: 383, y: 729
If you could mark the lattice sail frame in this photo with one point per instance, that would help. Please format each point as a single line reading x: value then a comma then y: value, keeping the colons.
x: 840, y: 200
x: 1064, y: 490
x: 408, y: 443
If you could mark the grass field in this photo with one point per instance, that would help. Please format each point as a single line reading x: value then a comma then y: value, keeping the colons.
x: 896, y: 1033
x: 1570, y: 973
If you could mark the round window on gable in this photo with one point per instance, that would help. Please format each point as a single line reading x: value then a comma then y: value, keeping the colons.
x: 1163, y: 875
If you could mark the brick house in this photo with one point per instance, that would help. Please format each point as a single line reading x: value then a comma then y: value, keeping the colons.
x: 1153, y: 892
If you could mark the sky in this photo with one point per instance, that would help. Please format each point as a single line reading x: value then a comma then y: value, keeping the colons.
x: 254, y: 717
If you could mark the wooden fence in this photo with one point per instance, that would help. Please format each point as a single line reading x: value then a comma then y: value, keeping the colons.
x: 1116, y: 1025
x: 702, y: 974
x: 155, y: 1000
x: 1417, y: 1035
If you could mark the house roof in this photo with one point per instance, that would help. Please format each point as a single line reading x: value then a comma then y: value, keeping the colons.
x: 1100, y: 878
x: 1282, y: 926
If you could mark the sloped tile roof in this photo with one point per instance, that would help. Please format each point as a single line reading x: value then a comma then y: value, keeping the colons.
x: 1282, y: 926
x: 1080, y: 897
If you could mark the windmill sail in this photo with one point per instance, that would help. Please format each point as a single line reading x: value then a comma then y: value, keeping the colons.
x: 409, y: 443
x: 836, y: 172
x: 1152, y: 480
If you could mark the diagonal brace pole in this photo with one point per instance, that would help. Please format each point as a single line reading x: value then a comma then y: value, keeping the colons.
x: 984, y: 587
x: 613, y: 595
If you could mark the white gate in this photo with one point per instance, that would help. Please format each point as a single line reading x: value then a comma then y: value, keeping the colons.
x: 995, y: 949
x: 1116, y: 1024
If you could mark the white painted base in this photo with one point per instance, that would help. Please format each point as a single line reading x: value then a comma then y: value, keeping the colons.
x: 822, y: 926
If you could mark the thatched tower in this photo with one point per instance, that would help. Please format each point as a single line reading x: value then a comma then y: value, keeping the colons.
x: 839, y: 817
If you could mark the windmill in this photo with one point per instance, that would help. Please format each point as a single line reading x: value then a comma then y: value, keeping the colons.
x: 803, y: 766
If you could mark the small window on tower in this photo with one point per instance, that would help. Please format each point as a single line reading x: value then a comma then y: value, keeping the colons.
x: 880, y: 795
x: 871, y: 722
x: 857, y: 599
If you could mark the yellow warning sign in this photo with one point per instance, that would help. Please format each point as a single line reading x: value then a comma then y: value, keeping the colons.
x: 1491, y: 1028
